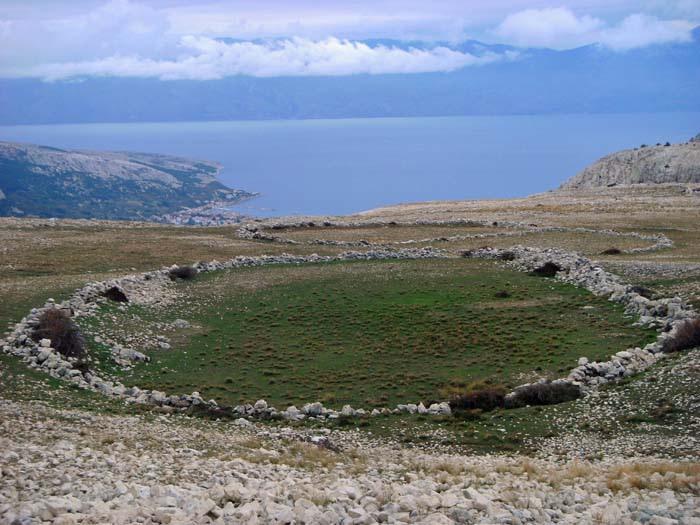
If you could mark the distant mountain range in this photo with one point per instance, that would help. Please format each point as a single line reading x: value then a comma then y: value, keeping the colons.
x: 661, y: 163
x: 38, y: 181
x: 590, y: 79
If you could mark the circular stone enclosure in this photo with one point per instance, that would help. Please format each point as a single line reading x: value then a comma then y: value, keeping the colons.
x: 369, y: 333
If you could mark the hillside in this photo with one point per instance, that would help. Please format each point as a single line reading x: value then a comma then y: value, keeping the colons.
x: 356, y: 331
x: 39, y: 181
x: 670, y: 163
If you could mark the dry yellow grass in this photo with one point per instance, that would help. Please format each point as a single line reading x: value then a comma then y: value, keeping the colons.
x: 677, y: 476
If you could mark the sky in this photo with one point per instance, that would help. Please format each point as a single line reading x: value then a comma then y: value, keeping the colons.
x: 176, y: 39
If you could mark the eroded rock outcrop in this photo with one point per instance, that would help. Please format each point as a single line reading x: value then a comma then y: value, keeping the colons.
x: 669, y: 163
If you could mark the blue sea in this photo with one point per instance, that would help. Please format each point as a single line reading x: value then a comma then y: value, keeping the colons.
x: 344, y: 166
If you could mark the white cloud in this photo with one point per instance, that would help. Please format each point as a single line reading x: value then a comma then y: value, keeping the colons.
x: 641, y: 30
x: 205, y: 58
x: 560, y: 28
x: 116, y: 27
x: 557, y: 27
x: 175, y: 39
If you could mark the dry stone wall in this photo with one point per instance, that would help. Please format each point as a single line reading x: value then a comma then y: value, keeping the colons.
x: 666, y: 314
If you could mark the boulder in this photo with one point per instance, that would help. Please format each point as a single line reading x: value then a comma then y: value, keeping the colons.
x: 313, y: 409
x: 347, y: 411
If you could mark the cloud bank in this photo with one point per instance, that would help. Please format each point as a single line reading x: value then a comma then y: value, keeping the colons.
x: 560, y: 28
x: 205, y: 58
x: 174, y: 39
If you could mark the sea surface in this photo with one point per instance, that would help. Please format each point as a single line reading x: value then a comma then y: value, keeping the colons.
x: 343, y: 166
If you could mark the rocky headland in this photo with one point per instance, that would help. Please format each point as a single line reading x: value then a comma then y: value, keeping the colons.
x: 39, y: 181
x: 662, y: 163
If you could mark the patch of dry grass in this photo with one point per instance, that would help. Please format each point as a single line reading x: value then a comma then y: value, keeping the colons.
x: 677, y: 476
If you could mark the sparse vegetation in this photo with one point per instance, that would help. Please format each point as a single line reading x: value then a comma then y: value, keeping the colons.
x: 611, y: 251
x: 682, y: 477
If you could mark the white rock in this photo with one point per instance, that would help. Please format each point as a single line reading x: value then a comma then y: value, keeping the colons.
x: 480, y: 501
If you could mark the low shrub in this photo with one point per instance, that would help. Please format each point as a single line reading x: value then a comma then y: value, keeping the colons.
x: 65, y: 336
x: 115, y: 294
x: 687, y: 336
x: 543, y: 394
x: 507, y: 256
x: 502, y: 295
x: 643, y: 291
x: 478, y: 396
x: 183, y: 272
x: 611, y: 251
x: 548, y: 269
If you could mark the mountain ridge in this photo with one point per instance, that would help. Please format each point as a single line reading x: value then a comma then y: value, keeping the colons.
x: 588, y: 79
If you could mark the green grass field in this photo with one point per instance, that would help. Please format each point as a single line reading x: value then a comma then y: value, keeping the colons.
x: 368, y: 333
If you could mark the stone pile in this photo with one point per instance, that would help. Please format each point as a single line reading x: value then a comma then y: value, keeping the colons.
x: 260, y: 232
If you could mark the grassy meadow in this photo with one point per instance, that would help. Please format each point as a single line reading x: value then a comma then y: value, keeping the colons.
x: 371, y: 334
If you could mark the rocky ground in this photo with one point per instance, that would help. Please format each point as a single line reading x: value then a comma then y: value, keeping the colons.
x: 628, y: 453
x: 73, y: 466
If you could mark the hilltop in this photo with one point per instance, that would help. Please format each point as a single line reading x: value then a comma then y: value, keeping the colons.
x: 40, y: 181
x: 667, y: 163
